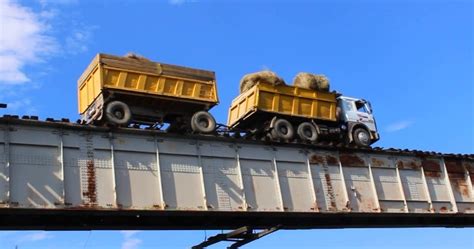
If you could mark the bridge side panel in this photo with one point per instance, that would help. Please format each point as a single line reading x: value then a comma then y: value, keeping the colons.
x: 328, y: 182
x: 358, y: 183
x: 437, y: 185
x: 459, y: 176
x: 36, y: 178
x: 414, y: 188
x: 387, y: 184
x: 259, y: 178
x: 136, y: 172
x: 221, y: 176
x: 4, y: 170
x: 223, y: 192
x: 294, y: 180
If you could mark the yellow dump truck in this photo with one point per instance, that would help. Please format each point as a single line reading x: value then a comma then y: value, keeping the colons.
x: 276, y: 110
x: 119, y: 90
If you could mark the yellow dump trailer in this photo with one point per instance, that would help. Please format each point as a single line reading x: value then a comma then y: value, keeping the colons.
x: 120, y: 90
x: 264, y: 106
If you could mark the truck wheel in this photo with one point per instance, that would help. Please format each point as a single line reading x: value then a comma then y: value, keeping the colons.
x: 361, y: 137
x: 203, y: 122
x: 282, y: 129
x: 118, y: 113
x: 307, y: 132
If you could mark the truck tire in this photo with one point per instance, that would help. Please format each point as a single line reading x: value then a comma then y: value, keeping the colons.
x: 203, y: 122
x: 118, y: 113
x: 361, y: 137
x: 307, y: 132
x: 282, y: 129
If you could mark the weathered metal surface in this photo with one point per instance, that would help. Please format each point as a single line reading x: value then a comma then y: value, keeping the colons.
x: 68, y: 168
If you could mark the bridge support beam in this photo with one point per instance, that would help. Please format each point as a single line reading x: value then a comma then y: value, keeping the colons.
x: 240, y: 237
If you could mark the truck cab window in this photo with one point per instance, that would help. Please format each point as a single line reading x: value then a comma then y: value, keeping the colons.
x: 361, y: 107
x: 348, y: 106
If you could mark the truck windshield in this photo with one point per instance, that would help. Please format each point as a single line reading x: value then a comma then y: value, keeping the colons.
x: 361, y: 107
x: 369, y: 105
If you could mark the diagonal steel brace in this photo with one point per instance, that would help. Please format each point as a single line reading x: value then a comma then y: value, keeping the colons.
x: 240, y: 237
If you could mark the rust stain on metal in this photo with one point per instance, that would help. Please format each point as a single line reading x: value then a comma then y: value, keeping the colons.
x: 430, y: 165
x: 461, y: 186
x: 469, y: 167
x: 331, y: 195
x: 316, y: 159
x: 375, y: 162
x: 351, y: 160
x: 348, y: 206
x: 91, y: 190
x: 443, y: 210
x: 315, y: 207
x: 331, y: 160
x: 454, y: 166
x: 432, y: 174
x: 408, y: 164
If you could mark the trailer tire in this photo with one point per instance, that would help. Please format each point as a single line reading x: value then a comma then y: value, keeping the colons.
x: 282, y: 129
x: 361, y: 137
x: 203, y: 122
x: 118, y: 113
x: 307, y: 132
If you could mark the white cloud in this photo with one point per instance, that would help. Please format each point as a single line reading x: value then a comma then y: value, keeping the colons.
x: 24, y: 40
x: 77, y: 41
x: 35, y: 236
x: 29, y: 37
x: 129, y: 241
x: 32, y: 33
x: 128, y: 234
x: 398, y: 126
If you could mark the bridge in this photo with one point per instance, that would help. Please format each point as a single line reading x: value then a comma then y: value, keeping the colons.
x: 65, y: 176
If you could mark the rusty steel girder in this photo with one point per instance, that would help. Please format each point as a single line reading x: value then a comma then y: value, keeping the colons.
x: 59, y: 175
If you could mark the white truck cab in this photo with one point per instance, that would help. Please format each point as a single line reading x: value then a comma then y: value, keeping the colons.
x: 357, y: 117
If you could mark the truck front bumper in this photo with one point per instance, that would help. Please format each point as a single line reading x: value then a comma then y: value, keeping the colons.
x: 374, y: 136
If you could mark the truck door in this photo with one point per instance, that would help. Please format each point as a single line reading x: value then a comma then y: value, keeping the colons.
x: 364, y: 114
x: 349, y: 110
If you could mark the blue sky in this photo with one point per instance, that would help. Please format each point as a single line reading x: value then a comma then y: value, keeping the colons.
x: 413, y: 60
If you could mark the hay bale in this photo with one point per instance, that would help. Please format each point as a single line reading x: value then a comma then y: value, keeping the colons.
x: 135, y: 56
x: 266, y: 76
x: 317, y: 82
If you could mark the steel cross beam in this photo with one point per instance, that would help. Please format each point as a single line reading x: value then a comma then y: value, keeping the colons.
x: 240, y: 237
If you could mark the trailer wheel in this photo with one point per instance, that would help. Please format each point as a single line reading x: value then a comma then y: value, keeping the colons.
x: 203, y: 122
x: 282, y: 129
x: 118, y: 113
x: 307, y: 132
x: 361, y: 137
